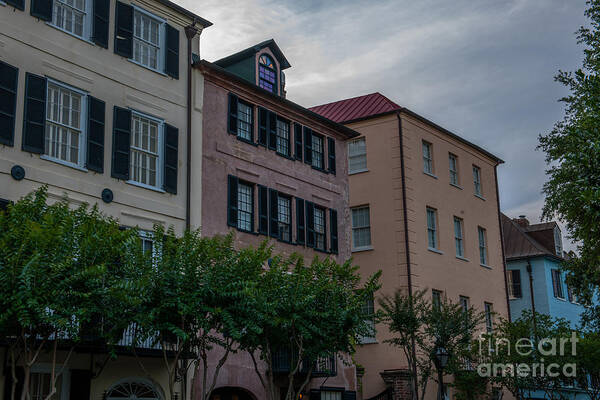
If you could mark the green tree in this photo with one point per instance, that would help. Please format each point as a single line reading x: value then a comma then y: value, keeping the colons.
x: 63, y: 278
x: 573, y: 154
x: 305, y: 312
x: 588, y: 367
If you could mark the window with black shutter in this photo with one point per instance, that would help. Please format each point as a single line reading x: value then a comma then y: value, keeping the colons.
x: 232, y: 114
x: 172, y: 52
x: 18, y: 4
x: 263, y: 126
x: 4, y: 204
x: 232, y: 200
x: 333, y: 231
x: 9, y: 77
x: 95, y: 135
x: 101, y: 22
x: 272, y: 131
x: 121, y: 143
x: 171, y: 158
x: 307, y: 145
x: 34, y: 114
x: 263, y: 210
x: 331, y: 154
x: 42, y: 9
x: 298, y: 141
x: 273, y: 214
x: 124, y: 30
x: 310, y: 224
x: 300, y: 222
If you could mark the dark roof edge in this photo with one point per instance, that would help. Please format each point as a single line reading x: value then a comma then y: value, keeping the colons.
x: 434, y: 125
x: 547, y: 255
x: 230, y: 59
x: 544, y: 252
x: 205, y: 23
x: 344, y: 130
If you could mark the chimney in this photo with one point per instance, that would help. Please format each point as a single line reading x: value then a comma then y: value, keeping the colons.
x: 522, y: 221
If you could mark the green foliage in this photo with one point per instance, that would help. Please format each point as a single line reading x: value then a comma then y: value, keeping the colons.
x: 588, y: 354
x: 573, y: 154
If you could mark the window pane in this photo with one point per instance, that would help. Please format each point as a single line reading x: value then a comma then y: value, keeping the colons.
x: 70, y: 16
x: 427, y: 158
x: 284, y: 218
x: 432, y: 228
x: 482, y: 246
x: 357, y: 155
x: 283, y: 137
x: 63, y: 123
x: 245, y: 207
x: 146, y: 40
x: 361, y: 229
x: 319, y: 222
x: 244, y: 121
x: 317, y: 151
x: 458, y: 237
x: 144, y: 150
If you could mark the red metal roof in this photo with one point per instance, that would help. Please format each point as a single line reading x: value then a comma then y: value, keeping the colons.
x: 356, y: 107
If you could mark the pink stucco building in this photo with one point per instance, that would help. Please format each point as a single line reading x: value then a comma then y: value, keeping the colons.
x: 271, y: 169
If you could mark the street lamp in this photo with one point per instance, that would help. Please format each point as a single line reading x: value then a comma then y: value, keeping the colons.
x: 441, y: 361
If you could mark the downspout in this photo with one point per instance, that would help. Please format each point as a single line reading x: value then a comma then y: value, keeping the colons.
x: 530, y: 273
x: 407, y: 247
x: 190, y: 32
x: 502, y: 243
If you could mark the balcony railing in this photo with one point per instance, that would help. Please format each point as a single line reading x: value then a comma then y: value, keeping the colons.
x: 282, y: 364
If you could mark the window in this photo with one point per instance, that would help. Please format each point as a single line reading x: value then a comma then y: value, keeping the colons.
x: 147, y: 39
x: 477, y: 180
x: 368, y: 309
x: 331, y: 395
x: 146, y: 139
x: 317, y: 151
x: 453, y: 166
x: 65, y: 134
x: 514, y: 284
x: 319, y: 228
x: 361, y: 228
x: 357, y: 156
x: 432, y: 228
x: 557, y: 284
x: 133, y: 389
x: 464, y: 303
x: 557, y: 241
x: 283, y: 137
x: 40, y: 386
x: 436, y: 299
x: 245, y: 207
x: 489, y: 317
x: 244, y: 120
x: 266, y: 73
x: 284, y: 218
x: 482, y: 234
x: 147, y: 242
x: 458, y: 237
x: 72, y: 16
x: 427, y: 158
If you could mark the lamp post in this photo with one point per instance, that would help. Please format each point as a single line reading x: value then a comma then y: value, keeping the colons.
x: 441, y: 361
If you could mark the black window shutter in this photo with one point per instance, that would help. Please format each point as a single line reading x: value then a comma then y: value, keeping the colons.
x: 34, y: 115
x: 298, y: 141
x: 349, y: 395
x: 95, y: 136
x: 172, y: 53
x: 124, y: 30
x: 263, y: 125
x: 310, y: 224
x: 19, y: 4
x: 315, y: 394
x: 300, y: 223
x: 333, y: 230
x: 232, y: 114
x: 272, y: 130
x: 9, y: 77
x: 101, y: 21
x: 273, y: 213
x: 81, y: 380
x: 121, y: 143
x: 263, y: 210
x: 42, y: 9
x: 171, y: 158
x: 232, y: 200
x: 8, y: 382
x: 307, y: 145
x: 331, y: 154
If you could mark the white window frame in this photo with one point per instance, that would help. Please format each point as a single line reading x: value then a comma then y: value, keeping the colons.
x: 483, y: 257
x: 489, y: 316
x: 88, y: 21
x: 324, y: 233
x: 427, y: 159
x: 453, y: 172
x: 459, y: 240
x: 434, y: 228
x: 251, y: 212
x: 370, y: 245
x: 161, y: 156
x: 357, y: 155
x: 162, y: 47
x: 557, y: 278
x: 82, y: 124
x: 368, y: 306
x: 477, y: 186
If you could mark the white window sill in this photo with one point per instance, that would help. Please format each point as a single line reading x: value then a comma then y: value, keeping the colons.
x: 359, y: 249
x: 479, y: 196
x: 430, y: 174
x: 368, y: 341
x: 462, y: 258
x: 143, y: 185
x: 486, y: 266
x: 358, y: 171
x: 62, y: 162
x: 435, y: 250
x: 158, y: 71
x: 456, y: 186
x: 83, y: 39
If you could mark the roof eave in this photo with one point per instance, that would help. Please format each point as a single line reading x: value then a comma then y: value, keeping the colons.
x: 198, y: 19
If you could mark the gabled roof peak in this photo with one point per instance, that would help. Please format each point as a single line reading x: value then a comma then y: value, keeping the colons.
x: 367, y: 105
x: 250, y: 51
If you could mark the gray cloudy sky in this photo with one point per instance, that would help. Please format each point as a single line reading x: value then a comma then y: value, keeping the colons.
x: 481, y: 68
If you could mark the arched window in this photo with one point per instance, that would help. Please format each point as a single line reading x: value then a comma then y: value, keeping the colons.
x: 267, y: 74
x: 134, y: 389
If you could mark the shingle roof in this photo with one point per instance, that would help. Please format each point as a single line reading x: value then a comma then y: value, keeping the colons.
x: 356, y: 107
x: 519, y: 244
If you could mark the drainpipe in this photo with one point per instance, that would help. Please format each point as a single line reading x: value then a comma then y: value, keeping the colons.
x: 190, y: 32
x: 530, y: 273
x: 502, y: 243
x: 406, y: 244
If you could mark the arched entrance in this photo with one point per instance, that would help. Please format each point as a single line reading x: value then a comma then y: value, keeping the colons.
x: 231, y: 393
x: 134, y: 389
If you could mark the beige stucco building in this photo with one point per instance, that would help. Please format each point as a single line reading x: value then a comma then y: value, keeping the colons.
x: 424, y: 210
x: 94, y: 103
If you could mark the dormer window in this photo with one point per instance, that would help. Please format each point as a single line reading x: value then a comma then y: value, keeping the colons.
x: 266, y: 73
